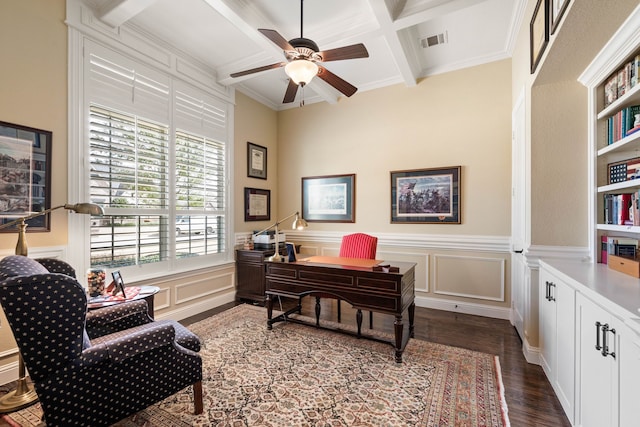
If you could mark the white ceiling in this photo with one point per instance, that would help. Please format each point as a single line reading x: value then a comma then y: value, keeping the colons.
x: 222, y: 34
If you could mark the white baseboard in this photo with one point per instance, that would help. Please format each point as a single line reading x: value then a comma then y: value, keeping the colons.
x: 8, y: 372
x: 464, y: 307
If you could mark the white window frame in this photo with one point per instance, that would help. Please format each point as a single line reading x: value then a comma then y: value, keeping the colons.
x: 189, y: 78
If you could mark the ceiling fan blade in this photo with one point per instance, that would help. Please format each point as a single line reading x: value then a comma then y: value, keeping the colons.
x: 343, y: 86
x: 290, y: 94
x: 275, y: 37
x: 346, y: 52
x: 258, y: 69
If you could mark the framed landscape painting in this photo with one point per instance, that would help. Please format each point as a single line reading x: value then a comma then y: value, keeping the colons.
x: 425, y: 196
x: 329, y: 198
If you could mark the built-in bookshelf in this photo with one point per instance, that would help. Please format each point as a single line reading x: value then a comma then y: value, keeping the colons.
x: 614, y: 101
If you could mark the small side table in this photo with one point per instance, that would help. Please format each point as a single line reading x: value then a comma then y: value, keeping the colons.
x: 146, y: 293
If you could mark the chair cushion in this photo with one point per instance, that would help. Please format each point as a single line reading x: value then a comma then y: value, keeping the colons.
x: 18, y: 265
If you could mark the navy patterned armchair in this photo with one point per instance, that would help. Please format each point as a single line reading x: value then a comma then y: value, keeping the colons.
x: 83, y: 379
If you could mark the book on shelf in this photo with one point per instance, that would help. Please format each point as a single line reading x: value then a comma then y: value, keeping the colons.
x: 611, y: 90
x: 620, y: 123
x: 618, y: 209
x: 622, y: 81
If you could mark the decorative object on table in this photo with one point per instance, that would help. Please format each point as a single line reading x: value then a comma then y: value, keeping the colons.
x: 96, y: 281
x: 557, y: 9
x: 25, y: 176
x: 538, y: 33
x: 24, y: 395
x: 256, y: 161
x: 330, y: 198
x: 291, y: 252
x: 422, y: 196
x: 257, y: 204
x: 118, y: 284
x: 298, y: 224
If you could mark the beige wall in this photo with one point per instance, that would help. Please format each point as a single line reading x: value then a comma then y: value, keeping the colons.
x: 33, y: 84
x: 257, y: 124
x: 459, y: 118
x: 33, y: 88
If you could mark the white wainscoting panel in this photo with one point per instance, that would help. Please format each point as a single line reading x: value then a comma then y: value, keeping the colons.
x: 469, y: 276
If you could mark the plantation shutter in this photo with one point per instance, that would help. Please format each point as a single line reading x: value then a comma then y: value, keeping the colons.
x: 129, y: 160
x: 123, y: 84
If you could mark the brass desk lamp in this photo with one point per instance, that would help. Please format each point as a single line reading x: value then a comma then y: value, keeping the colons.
x: 298, y: 224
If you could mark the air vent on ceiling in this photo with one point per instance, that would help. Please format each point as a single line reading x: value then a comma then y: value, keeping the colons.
x: 433, y: 40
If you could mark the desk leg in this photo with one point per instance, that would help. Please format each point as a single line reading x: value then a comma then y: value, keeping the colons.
x: 412, y: 312
x: 269, y: 302
x: 398, y: 327
x: 317, y: 311
x: 359, y: 322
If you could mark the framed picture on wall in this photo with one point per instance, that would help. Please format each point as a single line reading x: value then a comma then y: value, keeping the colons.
x: 329, y: 198
x: 25, y: 175
x: 257, y: 204
x: 426, y: 196
x: 538, y: 33
x: 557, y: 10
x: 256, y: 161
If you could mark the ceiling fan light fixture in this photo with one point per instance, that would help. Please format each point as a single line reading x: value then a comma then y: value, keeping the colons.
x: 301, y: 71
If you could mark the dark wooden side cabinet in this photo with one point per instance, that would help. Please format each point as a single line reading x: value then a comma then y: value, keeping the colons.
x: 250, y: 272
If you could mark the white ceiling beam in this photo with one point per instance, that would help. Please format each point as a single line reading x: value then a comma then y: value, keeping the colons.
x: 408, y: 68
x: 409, y: 18
x: 117, y: 12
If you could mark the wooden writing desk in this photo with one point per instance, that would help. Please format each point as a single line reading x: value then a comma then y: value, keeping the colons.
x: 351, y: 281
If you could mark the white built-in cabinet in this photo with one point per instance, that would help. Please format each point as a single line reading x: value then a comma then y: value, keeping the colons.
x: 630, y: 366
x: 557, y: 337
x: 599, y: 367
x: 590, y: 341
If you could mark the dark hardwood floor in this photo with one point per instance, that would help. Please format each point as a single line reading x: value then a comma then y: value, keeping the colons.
x: 530, y: 398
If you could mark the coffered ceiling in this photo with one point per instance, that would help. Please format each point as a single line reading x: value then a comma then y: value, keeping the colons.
x: 398, y: 34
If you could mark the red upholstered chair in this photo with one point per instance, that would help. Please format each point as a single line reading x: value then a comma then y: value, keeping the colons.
x: 357, y: 245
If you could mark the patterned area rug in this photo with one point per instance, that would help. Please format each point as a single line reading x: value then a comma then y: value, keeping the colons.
x: 297, y: 375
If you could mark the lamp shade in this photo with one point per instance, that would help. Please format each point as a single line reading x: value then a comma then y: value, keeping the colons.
x: 301, y: 71
x: 299, y: 223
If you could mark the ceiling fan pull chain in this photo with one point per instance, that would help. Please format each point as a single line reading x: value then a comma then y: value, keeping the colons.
x: 301, y: 95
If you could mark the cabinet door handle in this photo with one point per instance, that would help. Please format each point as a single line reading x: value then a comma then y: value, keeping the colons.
x: 551, y: 294
x: 598, y: 346
x: 605, y: 341
x: 547, y: 290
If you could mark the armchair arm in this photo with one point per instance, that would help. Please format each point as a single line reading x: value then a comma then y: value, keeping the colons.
x: 122, y: 348
x: 115, y: 318
x: 57, y: 266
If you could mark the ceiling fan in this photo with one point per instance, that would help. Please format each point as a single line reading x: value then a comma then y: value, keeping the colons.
x: 303, y: 58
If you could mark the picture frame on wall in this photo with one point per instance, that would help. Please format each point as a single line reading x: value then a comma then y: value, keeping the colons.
x: 426, y: 196
x: 25, y: 175
x: 256, y: 161
x: 257, y: 204
x: 557, y: 9
x: 538, y: 33
x: 330, y: 198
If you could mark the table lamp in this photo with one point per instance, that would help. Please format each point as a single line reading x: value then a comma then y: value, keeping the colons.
x: 298, y: 224
x: 24, y: 395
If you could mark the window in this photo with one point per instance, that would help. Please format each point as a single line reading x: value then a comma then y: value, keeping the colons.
x: 130, y: 175
x: 157, y: 159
